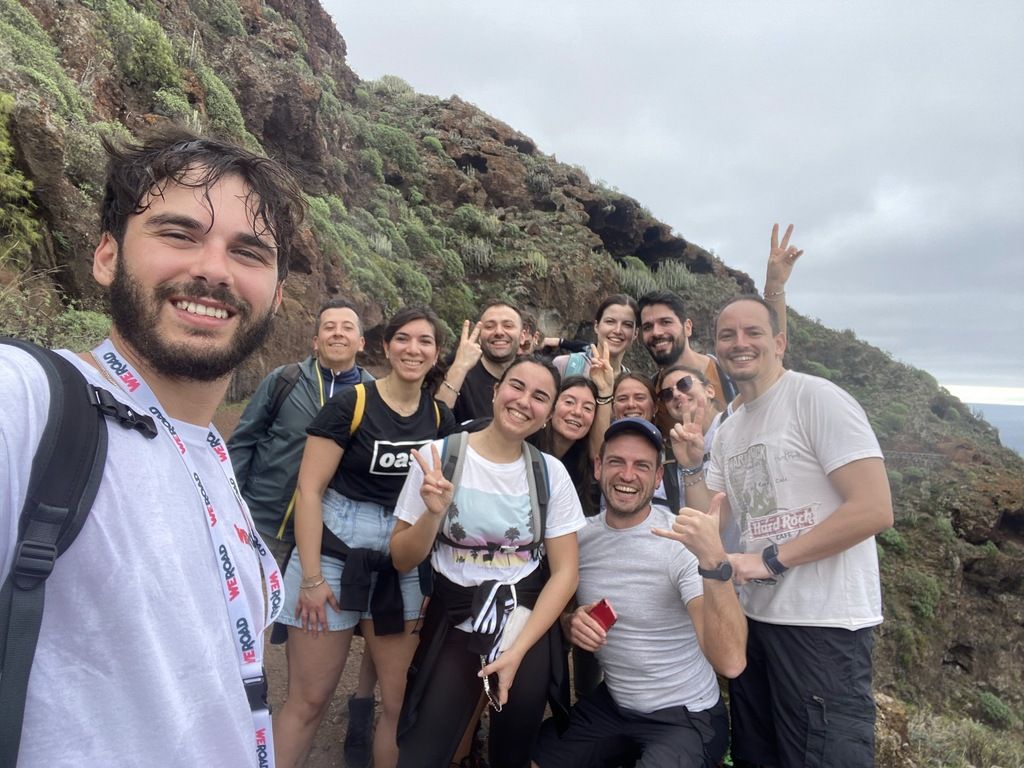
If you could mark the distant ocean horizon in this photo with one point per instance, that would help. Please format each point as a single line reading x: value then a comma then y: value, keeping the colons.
x: 1008, y: 419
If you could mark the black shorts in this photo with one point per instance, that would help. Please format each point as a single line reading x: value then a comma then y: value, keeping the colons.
x: 601, y: 733
x: 805, y: 697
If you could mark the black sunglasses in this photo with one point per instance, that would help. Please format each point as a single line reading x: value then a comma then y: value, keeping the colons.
x: 684, y: 385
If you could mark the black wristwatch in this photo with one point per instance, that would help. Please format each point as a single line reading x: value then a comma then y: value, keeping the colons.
x: 770, y: 558
x: 721, y: 572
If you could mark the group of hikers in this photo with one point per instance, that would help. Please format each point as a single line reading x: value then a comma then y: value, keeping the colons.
x: 472, y: 518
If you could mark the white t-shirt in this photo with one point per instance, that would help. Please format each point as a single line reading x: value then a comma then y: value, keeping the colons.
x: 136, y: 662
x: 772, y: 457
x: 652, y: 659
x: 492, y: 505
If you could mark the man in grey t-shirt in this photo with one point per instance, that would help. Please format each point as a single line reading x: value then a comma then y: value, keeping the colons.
x: 678, y: 621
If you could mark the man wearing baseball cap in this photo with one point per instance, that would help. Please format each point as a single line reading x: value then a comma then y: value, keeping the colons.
x: 667, y: 581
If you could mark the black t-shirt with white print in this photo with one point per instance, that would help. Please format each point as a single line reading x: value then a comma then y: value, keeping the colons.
x: 377, y: 456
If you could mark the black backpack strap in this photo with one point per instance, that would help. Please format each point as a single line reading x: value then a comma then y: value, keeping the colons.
x: 670, y: 479
x: 452, y: 460
x: 66, y: 473
x: 728, y: 385
x: 286, y: 381
x: 540, y: 490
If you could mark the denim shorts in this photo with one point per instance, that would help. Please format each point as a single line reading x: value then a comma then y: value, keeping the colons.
x: 361, y: 525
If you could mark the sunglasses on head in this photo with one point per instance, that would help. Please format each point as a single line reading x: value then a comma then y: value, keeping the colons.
x: 683, y: 385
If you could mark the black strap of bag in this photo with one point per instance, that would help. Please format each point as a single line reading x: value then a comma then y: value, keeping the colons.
x: 66, y: 473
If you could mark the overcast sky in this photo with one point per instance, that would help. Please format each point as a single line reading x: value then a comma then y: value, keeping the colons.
x: 890, y: 134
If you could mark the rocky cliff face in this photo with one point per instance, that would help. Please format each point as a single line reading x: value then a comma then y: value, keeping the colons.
x: 414, y: 198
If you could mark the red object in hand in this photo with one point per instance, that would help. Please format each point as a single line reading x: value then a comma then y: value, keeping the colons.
x: 603, y: 614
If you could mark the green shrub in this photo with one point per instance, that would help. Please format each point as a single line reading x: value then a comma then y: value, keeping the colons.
x: 895, y: 478
x: 393, y: 87
x: 79, y: 329
x: 371, y: 162
x: 673, y: 276
x: 434, y: 145
x: 891, y: 421
x: 914, y: 474
x: 814, y: 368
x: 453, y: 268
x: 84, y: 158
x: 474, y: 221
x: 412, y: 286
x: 635, y: 281
x: 142, y: 50
x: 381, y: 244
x: 907, y: 641
x: 893, y: 540
x: 222, y: 14
x: 539, y: 180
x: 924, y: 593
x: 418, y: 238
x: 960, y: 742
x: 396, y: 144
x: 19, y: 229
x: 994, y: 711
x: 455, y: 303
x: 945, y: 527
x: 172, y: 103
x: 25, y: 48
x: 477, y: 253
x: 536, y: 264
x: 222, y: 110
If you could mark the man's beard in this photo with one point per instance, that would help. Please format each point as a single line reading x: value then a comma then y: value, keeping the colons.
x: 137, y: 317
x: 671, y: 357
x: 508, y: 357
x: 642, y: 503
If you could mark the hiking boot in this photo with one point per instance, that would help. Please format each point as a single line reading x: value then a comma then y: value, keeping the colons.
x: 359, y: 738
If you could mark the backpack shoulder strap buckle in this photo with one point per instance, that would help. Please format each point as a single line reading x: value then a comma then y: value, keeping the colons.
x: 127, y: 417
x: 33, y: 563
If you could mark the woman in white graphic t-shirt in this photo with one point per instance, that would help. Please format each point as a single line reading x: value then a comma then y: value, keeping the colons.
x: 488, y: 560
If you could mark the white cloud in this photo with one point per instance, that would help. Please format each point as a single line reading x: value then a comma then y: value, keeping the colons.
x: 891, y: 134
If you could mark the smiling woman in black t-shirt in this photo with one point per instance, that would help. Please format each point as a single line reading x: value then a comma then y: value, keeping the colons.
x: 349, y: 481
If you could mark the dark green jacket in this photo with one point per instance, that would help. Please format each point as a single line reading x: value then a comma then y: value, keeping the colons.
x: 265, y: 454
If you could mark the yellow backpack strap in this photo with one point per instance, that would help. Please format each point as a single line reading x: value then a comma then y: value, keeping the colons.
x: 357, y: 412
x: 437, y: 414
x: 287, y: 515
x: 357, y: 417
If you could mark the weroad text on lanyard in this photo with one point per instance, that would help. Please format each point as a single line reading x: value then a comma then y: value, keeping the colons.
x: 246, y: 633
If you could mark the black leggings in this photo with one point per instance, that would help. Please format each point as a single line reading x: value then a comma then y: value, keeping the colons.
x: 451, y: 698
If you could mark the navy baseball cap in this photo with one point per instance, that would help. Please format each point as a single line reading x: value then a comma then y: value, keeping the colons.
x: 636, y: 426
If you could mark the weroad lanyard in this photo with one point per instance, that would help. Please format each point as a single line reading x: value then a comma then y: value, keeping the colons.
x: 221, y: 524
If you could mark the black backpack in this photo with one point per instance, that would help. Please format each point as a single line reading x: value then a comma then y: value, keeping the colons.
x: 66, y: 473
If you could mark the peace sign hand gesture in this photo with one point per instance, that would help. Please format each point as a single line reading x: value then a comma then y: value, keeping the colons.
x: 781, y: 260
x: 688, y: 438
x: 601, y: 368
x: 436, y: 491
x: 469, y: 351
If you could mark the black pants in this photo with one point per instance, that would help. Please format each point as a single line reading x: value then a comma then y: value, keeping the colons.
x: 451, y: 696
x: 805, y: 698
x: 601, y: 734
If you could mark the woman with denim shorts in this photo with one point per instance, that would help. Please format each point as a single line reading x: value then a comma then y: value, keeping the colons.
x: 341, y: 574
